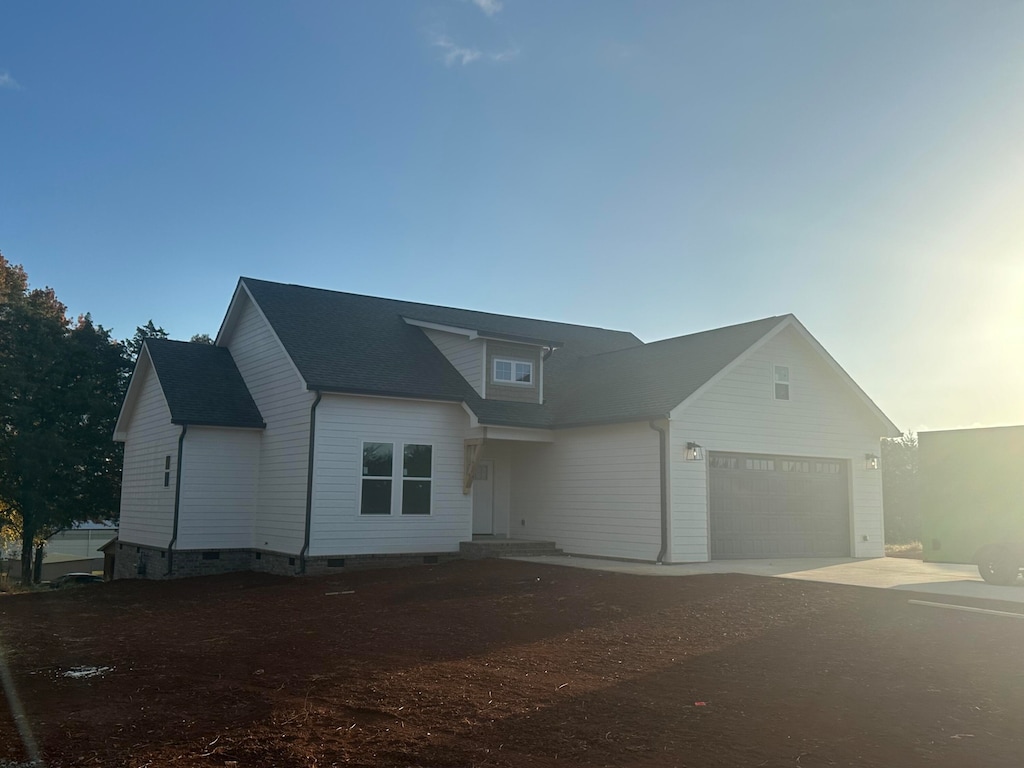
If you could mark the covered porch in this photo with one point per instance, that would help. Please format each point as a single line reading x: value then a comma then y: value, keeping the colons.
x: 495, y: 458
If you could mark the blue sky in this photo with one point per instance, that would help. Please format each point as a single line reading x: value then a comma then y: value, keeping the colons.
x: 660, y: 167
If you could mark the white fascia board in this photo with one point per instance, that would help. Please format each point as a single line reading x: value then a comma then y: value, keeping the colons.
x: 675, y: 412
x: 474, y: 422
x: 227, y: 325
x: 142, y: 364
x: 789, y: 321
x: 468, y: 332
x: 263, y: 317
x: 521, y: 434
x: 891, y: 429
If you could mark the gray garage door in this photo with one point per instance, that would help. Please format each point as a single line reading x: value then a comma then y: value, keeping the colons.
x: 778, y: 506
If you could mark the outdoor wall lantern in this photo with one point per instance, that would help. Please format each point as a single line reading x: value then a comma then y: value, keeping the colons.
x: 694, y: 452
x: 870, y: 461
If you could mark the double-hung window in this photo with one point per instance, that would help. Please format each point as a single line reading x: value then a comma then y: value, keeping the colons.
x: 378, y: 474
x: 412, y: 477
x: 781, y: 382
x: 513, y: 371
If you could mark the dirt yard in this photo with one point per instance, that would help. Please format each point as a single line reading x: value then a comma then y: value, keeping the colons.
x: 495, y: 663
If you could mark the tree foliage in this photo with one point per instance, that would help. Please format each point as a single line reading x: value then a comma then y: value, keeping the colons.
x: 201, y: 338
x: 133, y: 345
x: 899, y: 489
x: 61, y: 385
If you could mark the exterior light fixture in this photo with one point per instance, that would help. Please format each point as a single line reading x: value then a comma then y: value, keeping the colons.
x: 694, y: 452
x: 870, y: 461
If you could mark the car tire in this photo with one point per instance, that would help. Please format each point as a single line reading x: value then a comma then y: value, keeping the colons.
x: 997, y: 566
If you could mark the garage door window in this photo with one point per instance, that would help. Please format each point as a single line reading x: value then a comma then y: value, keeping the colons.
x: 764, y: 465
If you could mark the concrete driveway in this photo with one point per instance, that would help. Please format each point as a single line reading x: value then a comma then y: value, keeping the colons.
x: 879, y: 572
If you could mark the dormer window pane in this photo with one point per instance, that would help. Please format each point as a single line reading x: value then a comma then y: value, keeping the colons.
x: 524, y: 373
x: 503, y: 370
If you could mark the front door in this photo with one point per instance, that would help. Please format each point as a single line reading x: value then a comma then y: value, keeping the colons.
x: 483, y: 497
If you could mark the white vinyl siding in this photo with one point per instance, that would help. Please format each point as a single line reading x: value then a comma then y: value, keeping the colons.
x: 147, y: 507
x: 284, y: 402
x: 739, y: 413
x: 220, y: 475
x: 593, y: 491
x: 343, y: 425
x: 464, y: 353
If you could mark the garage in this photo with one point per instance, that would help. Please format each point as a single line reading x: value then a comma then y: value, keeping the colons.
x: 778, y: 506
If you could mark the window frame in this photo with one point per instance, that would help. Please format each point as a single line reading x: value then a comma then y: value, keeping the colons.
x: 785, y: 382
x: 363, y: 477
x: 513, y: 362
x: 418, y: 479
x: 397, y: 478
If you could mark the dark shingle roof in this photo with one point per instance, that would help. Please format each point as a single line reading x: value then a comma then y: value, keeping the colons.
x: 649, y: 381
x: 202, y: 386
x: 346, y: 342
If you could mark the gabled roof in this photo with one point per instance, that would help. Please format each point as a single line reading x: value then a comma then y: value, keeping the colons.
x: 346, y: 342
x: 200, y: 383
x: 648, y: 381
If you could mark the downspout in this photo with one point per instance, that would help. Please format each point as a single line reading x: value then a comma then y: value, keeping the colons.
x: 177, y: 503
x: 309, y: 481
x: 663, y: 452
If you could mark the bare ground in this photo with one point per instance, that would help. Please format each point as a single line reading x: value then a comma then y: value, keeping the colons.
x: 496, y: 663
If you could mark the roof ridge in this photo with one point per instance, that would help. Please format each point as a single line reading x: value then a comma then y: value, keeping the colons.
x: 650, y: 344
x: 439, y: 306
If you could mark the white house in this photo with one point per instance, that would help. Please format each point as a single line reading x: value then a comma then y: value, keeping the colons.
x: 333, y: 430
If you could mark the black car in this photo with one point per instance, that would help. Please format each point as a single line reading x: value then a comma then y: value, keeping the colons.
x: 75, y: 579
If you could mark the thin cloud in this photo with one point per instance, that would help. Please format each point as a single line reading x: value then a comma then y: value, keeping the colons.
x: 456, y: 54
x: 508, y: 55
x: 490, y: 7
x: 8, y: 82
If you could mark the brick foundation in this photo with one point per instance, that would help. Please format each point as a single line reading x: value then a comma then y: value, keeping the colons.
x: 134, y: 561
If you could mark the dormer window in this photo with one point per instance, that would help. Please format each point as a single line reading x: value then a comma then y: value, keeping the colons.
x: 513, y: 371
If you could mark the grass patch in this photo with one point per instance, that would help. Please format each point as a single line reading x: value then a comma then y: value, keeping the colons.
x: 910, y: 550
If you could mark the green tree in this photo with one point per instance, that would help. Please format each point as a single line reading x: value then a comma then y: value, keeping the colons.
x: 133, y: 345
x: 201, y: 338
x: 899, y: 489
x: 60, y: 390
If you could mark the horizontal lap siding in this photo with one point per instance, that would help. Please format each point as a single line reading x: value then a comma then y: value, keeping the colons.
x: 284, y: 402
x: 220, y: 476
x: 823, y: 418
x: 343, y: 423
x: 467, y: 355
x: 147, y: 507
x: 593, y: 491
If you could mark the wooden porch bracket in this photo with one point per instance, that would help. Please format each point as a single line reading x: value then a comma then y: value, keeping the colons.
x: 472, y: 448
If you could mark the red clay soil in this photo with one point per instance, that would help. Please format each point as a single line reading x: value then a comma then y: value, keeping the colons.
x: 495, y: 663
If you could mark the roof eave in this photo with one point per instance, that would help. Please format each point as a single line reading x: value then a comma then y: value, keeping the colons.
x: 215, y: 423
x: 132, y: 394
x: 331, y: 389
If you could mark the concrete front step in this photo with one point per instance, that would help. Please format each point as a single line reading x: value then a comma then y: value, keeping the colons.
x: 481, y: 548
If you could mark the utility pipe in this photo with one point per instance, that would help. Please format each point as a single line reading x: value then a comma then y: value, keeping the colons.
x: 177, y: 502
x: 309, y: 481
x: 663, y: 451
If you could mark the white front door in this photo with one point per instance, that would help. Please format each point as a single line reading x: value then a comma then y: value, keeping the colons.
x: 483, y: 497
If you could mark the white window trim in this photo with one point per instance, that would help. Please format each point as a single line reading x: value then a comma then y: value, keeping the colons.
x: 513, y: 362
x: 362, y: 477
x: 397, y: 478
x: 788, y: 382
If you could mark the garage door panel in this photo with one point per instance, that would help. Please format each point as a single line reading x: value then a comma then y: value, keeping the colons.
x: 778, y: 506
